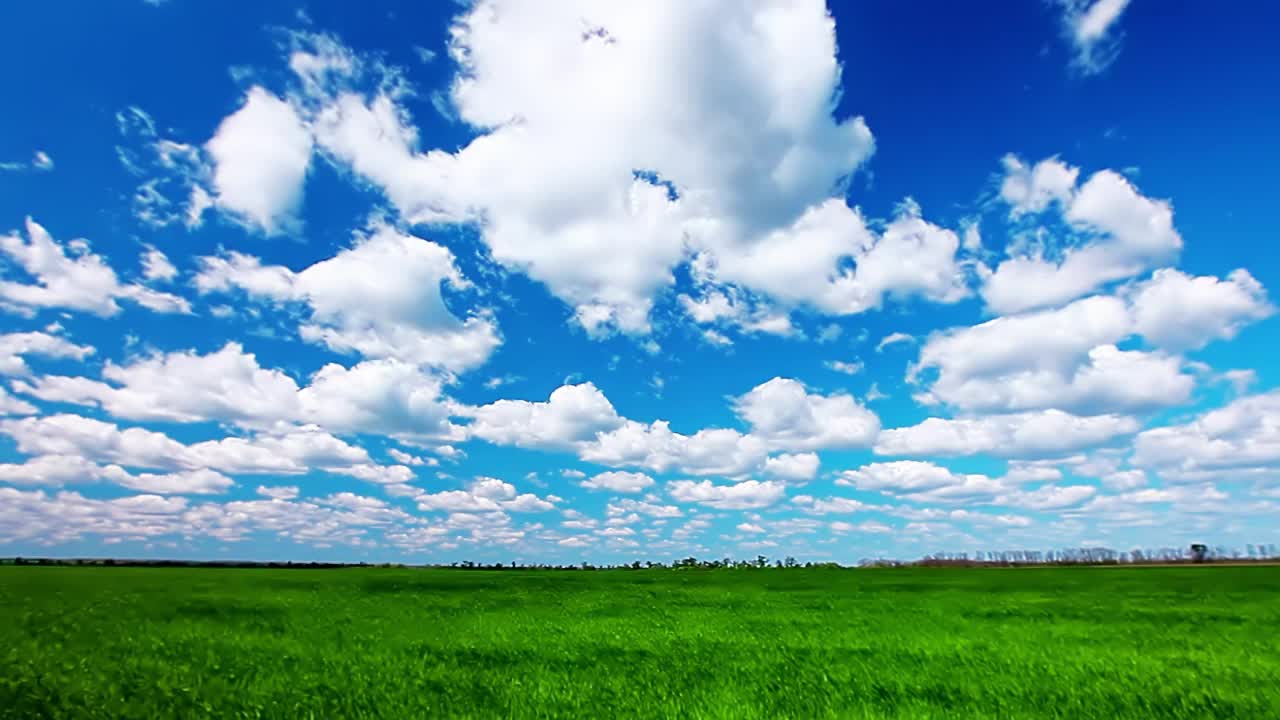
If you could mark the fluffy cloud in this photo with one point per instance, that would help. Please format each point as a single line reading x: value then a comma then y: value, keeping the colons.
x: 379, y: 396
x: 911, y: 257
x: 1241, y: 437
x: 920, y: 482
x: 66, y: 516
x: 1032, y: 189
x: 1049, y: 497
x: 624, y: 482
x: 929, y: 483
x: 342, y: 518
x: 713, y: 451
x: 184, y: 386
x: 1107, y: 380
x: 79, y: 281
x: 1180, y: 311
x: 837, y: 505
x: 843, y: 367
x: 380, y: 298
x: 56, y: 470
x: 380, y: 474
x: 1047, y: 432
x: 1190, y: 499
x: 156, y: 266
x: 10, y: 405
x: 643, y: 507
x: 902, y: 475
x: 796, y: 467
x: 14, y: 345
x: 483, y: 495
x: 1045, y: 340
x: 1125, y: 233
x: 202, y: 481
x: 571, y: 415
x: 278, y: 492
x: 738, y: 496
x: 261, y: 153
x: 629, y: 185
x: 71, y: 469
x: 295, y: 451
x: 1066, y: 358
x: 228, y: 385
x: 783, y: 415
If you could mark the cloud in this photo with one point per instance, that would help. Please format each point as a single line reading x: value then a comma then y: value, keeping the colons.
x: 1205, y: 498
x: 1032, y: 189
x: 278, y: 492
x: 1049, y: 497
x: 1106, y: 380
x: 919, y: 482
x: 623, y: 482
x: 226, y: 385
x: 171, y: 174
x: 627, y: 181
x: 294, y: 451
x: 826, y: 506
x: 14, y: 346
x: 1242, y: 436
x: 82, y: 281
x: 744, y: 495
x: 902, y: 475
x: 894, y: 338
x: 1125, y: 233
x: 382, y: 397
x: 260, y: 157
x: 10, y: 405
x: 156, y: 266
x: 40, y: 162
x: 799, y: 467
x: 844, y: 368
x: 911, y: 257
x: 572, y: 414
x: 1067, y: 358
x: 201, y: 481
x: 71, y: 469
x: 1030, y: 434
x: 1090, y: 26
x: 783, y: 415
x: 375, y: 396
x: 644, y: 507
x: 925, y: 482
x: 655, y: 447
x: 381, y: 298
x: 343, y: 518
x: 1180, y: 311
x: 380, y: 474
x: 484, y: 495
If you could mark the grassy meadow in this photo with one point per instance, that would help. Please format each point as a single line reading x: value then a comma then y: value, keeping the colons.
x: 1142, y: 643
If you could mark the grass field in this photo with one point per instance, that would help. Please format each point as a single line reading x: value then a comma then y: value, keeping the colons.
x: 923, y: 643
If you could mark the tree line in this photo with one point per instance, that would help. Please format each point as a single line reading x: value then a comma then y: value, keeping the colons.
x: 1197, y: 553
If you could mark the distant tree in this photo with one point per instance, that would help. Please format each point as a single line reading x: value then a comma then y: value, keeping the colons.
x: 1199, y: 552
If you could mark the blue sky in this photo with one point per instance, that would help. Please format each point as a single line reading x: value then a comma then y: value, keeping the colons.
x: 564, y: 281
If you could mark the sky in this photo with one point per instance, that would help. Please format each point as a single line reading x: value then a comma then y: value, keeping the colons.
x: 575, y: 281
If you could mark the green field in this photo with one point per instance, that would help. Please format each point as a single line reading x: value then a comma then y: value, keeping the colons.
x: 1074, y: 643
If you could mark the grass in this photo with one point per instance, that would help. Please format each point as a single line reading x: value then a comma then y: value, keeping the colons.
x: 362, y: 643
